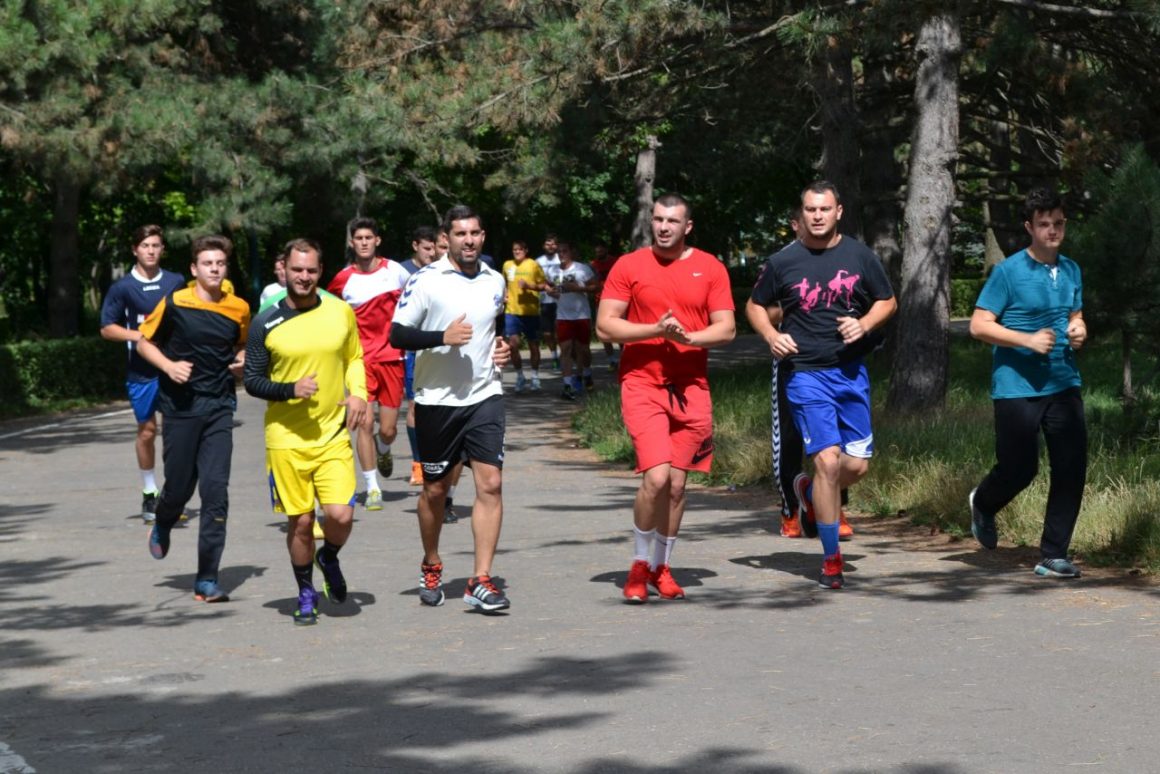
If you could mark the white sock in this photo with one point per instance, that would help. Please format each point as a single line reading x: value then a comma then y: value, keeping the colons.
x: 148, y: 481
x: 643, y: 543
x: 371, y: 477
x: 662, y: 549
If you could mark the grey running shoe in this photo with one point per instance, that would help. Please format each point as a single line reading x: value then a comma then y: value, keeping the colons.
x: 982, y: 525
x: 431, y: 584
x: 1057, y: 568
x: 483, y: 595
x: 209, y: 591
x: 149, y: 507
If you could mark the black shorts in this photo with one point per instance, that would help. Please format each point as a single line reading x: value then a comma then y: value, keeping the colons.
x: 548, y: 318
x: 446, y: 435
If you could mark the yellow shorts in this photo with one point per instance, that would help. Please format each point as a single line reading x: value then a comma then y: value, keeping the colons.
x: 298, y: 476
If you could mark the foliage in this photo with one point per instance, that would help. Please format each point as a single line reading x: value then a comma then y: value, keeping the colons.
x: 40, y: 375
x: 964, y: 294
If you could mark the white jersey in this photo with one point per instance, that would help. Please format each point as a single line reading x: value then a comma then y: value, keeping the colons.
x: 269, y: 291
x: 546, y: 263
x: 573, y: 306
x: 435, y: 297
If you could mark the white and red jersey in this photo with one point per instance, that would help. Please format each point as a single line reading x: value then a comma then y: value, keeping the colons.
x: 373, y: 295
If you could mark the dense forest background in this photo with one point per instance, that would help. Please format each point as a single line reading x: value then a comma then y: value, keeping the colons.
x: 277, y: 118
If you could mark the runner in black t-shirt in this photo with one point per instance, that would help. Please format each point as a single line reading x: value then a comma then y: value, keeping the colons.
x: 833, y: 293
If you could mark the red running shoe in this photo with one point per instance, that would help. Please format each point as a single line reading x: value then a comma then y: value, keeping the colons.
x: 809, y: 524
x: 832, y: 573
x: 636, y: 587
x: 662, y: 580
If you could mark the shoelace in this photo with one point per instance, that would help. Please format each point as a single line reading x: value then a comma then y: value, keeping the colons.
x: 431, y: 575
x: 487, y: 585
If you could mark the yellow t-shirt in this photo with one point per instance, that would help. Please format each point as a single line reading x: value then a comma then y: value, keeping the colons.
x: 523, y: 301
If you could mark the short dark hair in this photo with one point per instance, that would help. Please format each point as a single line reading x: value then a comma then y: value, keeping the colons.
x: 304, y: 245
x: 424, y: 234
x: 459, y: 212
x: 675, y: 200
x: 521, y: 243
x: 821, y: 187
x: 211, y: 242
x: 144, y: 232
x: 1041, y: 199
x: 362, y: 222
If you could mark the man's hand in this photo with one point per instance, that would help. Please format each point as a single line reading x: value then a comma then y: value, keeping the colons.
x: 502, y: 354
x: 1076, y: 333
x: 306, y: 387
x: 783, y: 346
x: 358, y: 414
x: 850, y: 329
x: 458, y: 332
x: 669, y: 327
x: 179, y: 371
x: 239, y: 363
x: 1042, y: 341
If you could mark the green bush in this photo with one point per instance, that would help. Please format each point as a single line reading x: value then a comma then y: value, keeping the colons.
x: 42, y: 375
x: 964, y: 293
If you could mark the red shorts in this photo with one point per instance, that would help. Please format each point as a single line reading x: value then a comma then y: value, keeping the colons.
x: 573, y: 330
x: 385, y: 383
x: 668, y: 423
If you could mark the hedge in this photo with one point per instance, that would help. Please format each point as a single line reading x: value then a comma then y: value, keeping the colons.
x: 41, y: 375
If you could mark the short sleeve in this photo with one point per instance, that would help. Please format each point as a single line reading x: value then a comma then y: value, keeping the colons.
x: 765, y: 289
x: 618, y: 286
x: 113, y: 308
x: 412, y: 306
x: 995, y: 296
x: 720, y: 291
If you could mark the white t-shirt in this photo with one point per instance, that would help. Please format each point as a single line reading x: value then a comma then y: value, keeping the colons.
x: 574, y: 305
x: 269, y: 290
x: 436, y: 296
x: 546, y: 263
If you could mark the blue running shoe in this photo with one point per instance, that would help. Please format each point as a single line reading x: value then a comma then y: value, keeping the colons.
x: 307, y: 612
x: 1057, y: 568
x: 483, y: 595
x: 333, y: 582
x: 158, y: 542
x: 209, y: 591
x: 982, y: 525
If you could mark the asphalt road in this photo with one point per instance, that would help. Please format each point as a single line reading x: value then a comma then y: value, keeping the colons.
x: 935, y: 658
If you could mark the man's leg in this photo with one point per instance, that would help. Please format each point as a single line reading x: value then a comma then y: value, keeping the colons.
x: 1017, y: 423
x: 486, y: 514
x: 213, y: 463
x: 300, y: 544
x: 517, y: 358
x: 181, y: 437
x: 1065, y: 430
x: 432, y: 501
x: 786, y: 449
x: 146, y: 448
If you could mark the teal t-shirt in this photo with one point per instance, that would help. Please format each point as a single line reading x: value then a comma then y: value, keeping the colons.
x: 1026, y: 295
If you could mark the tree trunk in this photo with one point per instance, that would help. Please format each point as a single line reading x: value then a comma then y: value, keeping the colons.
x: 881, y: 179
x: 919, y: 378
x: 63, y: 280
x: 646, y: 173
x: 841, y: 157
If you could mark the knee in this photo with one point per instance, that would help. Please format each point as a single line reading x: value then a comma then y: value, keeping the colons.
x: 343, y: 515
x: 828, y: 463
x: 856, y: 467
x: 676, y: 491
x: 147, y: 431
x: 489, y: 486
x: 388, y: 433
x: 657, y: 482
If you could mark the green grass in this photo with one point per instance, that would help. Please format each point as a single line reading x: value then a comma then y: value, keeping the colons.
x: 924, y: 465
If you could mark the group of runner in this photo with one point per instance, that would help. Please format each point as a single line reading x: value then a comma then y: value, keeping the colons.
x: 442, y: 326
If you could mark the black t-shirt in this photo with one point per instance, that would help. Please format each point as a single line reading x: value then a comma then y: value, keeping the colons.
x: 814, y: 289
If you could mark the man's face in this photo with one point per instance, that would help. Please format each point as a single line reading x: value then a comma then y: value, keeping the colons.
x: 441, y: 244
x: 303, y: 268
x: 599, y: 253
x: 364, y: 243
x: 670, y: 226
x: 423, y: 252
x: 1047, y: 229
x: 550, y: 246
x: 465, y: 242
x: 820, y: 215
x: 209, y: 269
x: 148, y: 252
x: 519, y: 253
x: 566, y: 255
x: 280, y: 271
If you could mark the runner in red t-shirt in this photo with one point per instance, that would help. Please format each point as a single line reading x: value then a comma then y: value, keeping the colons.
x: 666, y: 304
x: 602, y: 262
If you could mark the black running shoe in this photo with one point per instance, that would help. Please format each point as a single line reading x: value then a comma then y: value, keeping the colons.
x: 449, y: 514
x: 149, y: 507
x: 333, y: 582
x: 483, y: 595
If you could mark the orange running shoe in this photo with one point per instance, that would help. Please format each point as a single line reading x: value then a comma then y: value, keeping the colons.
x: 845, y: 531
x: 416, y: 474
x: 636, y: 587
x: 791, y: 527
x: 662, y: 580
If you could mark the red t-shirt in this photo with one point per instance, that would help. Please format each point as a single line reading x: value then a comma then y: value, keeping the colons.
x: 692, y: 287
x: 373, y: 296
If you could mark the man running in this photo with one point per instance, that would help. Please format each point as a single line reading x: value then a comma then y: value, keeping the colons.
x: 575, y: 281
x: 194, y: 338
x: 521, y: 320
x: 127, y: 304
x: 371, y: 285
x: 303, y: 355
x: 666, y: 304
x: 548, y: 298
x: 602, y: 262
x: 1031, y: 310
x: 448, y: 315
x: 833, y: 293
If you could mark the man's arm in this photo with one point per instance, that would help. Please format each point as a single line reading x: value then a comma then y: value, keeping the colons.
x: 178, y: 371
x: 611, y: 325
x: 985, y: 326
x: 257, y: 366
x: 721, y: 330
x: 764, y: 320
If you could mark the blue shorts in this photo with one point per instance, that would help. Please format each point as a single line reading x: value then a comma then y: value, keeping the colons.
x: 831, y: 407
x: 409, y: 375
x: 527, y: 325
x: 143, y: 398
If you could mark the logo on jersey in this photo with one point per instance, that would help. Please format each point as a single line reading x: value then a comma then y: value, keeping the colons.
x: 841, y: 287
x: 275, y: 321
x: 152, y: 287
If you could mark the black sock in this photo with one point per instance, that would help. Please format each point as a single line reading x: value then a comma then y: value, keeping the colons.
x: 329, y: 552
x: 304, y: 575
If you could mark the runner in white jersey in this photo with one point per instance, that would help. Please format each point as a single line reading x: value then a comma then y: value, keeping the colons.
x: 447, y: 314
x: 575, y: 281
